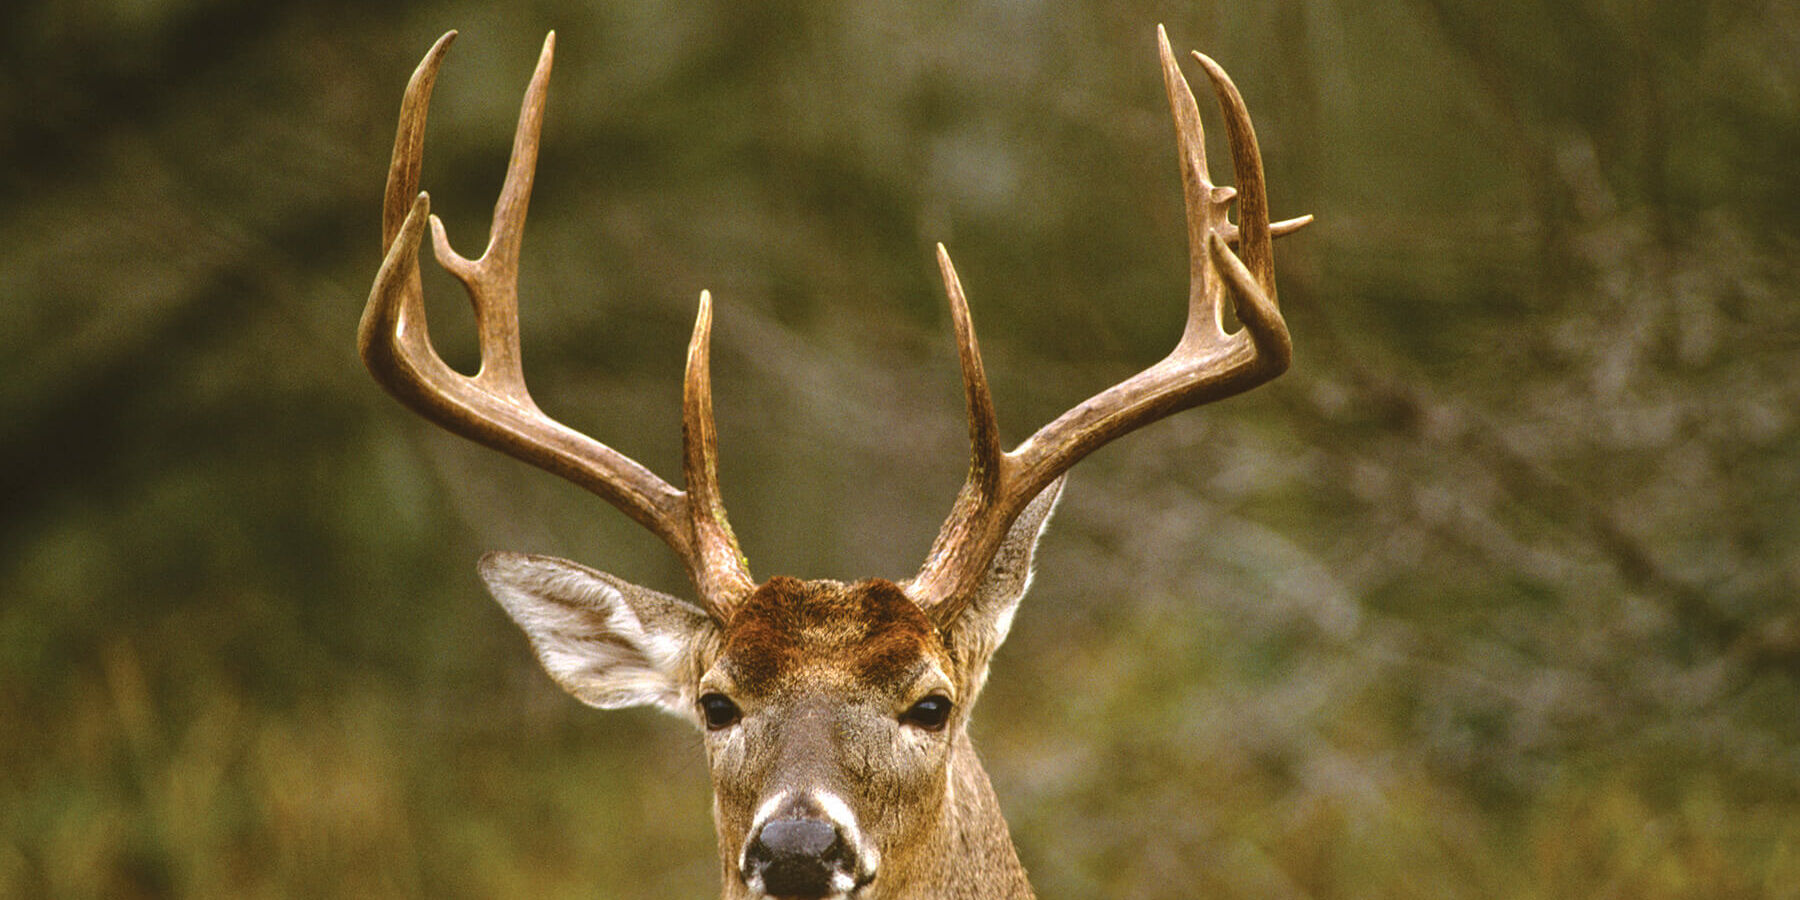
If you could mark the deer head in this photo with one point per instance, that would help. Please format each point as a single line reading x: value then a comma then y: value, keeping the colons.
x: 835, y: 715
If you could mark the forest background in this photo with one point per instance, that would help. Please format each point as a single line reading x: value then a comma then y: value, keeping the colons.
x: 1492, y: 596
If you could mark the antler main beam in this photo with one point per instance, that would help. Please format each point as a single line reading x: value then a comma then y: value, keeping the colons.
x: 1207, y: 364
x: 493, y: 406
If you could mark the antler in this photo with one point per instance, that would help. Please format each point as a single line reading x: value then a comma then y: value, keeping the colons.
x: 493, y: 406
x: 1207, y: 364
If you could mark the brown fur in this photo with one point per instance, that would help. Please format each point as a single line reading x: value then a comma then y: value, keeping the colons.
x: 818, y: 665
x: 870, y: 628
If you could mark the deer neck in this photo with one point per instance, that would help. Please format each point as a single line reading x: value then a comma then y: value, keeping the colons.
x: 970, y: 855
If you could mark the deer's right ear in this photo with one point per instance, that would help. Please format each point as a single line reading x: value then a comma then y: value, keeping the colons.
x: 607, y: 641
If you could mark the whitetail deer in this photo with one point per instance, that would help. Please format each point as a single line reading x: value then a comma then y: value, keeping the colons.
x: 835, y: 715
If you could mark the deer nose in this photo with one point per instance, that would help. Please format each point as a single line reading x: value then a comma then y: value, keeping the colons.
x: 794, y: 857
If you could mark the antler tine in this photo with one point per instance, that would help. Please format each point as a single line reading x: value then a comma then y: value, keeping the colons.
x: 492, y: 280
x: 409, y: 141
x: 989, y: 464
x: 1207, y: 364
x: 725, y: 572
x: 1247, y: 172
x: 988, y: 458
x: 1206, y: 204
x: 493, y: 406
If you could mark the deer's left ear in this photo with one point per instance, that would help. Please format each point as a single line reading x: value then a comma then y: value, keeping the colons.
x: 984, y: 624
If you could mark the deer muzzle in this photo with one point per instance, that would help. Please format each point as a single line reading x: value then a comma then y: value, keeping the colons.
x: 801, y: 850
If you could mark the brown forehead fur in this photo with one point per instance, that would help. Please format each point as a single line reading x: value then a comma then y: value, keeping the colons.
x: 870, y: 628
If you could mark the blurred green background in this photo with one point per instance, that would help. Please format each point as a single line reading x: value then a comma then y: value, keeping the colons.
x: 1492, y: 596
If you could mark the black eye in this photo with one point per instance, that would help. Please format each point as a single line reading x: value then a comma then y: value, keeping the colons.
x: 719, y: 711
x: 930, y: 713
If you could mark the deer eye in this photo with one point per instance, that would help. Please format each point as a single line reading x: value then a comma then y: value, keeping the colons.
x: 719, y: 711
x: 930, y: 713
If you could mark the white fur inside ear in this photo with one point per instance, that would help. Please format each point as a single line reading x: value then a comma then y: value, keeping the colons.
x: 610, y: 643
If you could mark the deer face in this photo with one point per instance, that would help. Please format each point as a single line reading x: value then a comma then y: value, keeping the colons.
x: 834, y: 714
x: 828, y: 718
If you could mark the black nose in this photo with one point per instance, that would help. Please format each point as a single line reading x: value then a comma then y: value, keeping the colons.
x: 798, y: 858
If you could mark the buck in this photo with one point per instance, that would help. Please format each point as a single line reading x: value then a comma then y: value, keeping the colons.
x: 835, y: 715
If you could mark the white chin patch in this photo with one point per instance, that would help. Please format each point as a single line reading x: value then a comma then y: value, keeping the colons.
x: 842, y: 886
